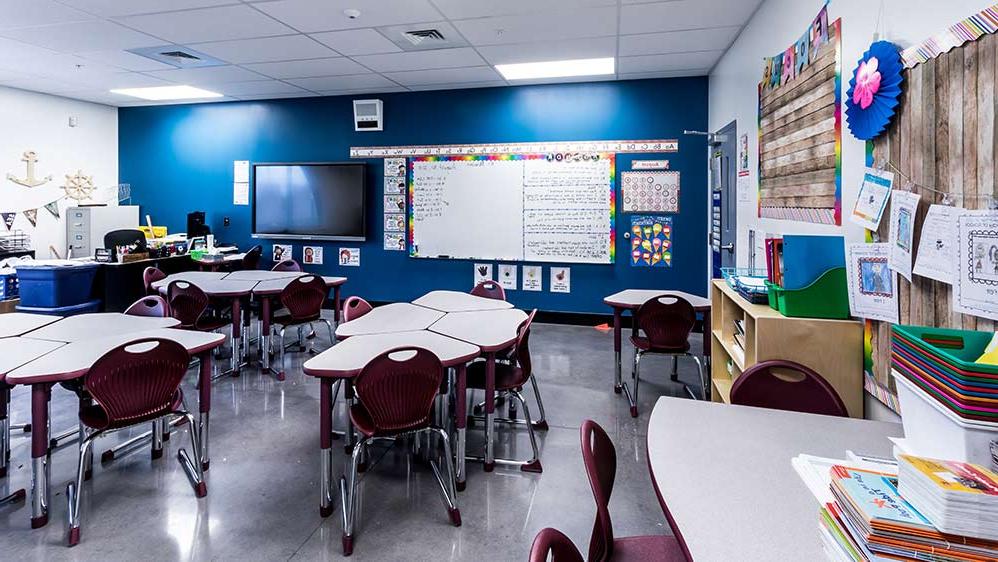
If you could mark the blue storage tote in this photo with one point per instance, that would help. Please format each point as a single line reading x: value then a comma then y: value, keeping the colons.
x: 8, y: 285
x: 72, y: 310
x: 55, y: 283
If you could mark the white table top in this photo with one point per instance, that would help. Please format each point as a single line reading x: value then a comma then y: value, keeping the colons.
x: 189, y: 276
x: 20, y: 323
x: 395, y: 317
x: 348, y: 357
x: 490, y: 330
x: 214, y: 287
x: 456, y: 301
x: 724, y: 471
x: 75, y: 359
x: 98, y: 324
x: 634, y: 298
x: 15, y: 352
x: 260, y: 275
x: 275, y: 286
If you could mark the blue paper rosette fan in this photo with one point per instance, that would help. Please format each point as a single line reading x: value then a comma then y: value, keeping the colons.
x: 874, y: 90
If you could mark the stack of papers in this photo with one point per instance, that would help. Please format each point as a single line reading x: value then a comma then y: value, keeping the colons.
x: 958, y: 498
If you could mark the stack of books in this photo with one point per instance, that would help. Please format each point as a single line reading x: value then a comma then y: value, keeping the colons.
x: 959, y: 498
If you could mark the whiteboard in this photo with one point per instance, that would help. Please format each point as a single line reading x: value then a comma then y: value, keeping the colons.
x: 525, y: 207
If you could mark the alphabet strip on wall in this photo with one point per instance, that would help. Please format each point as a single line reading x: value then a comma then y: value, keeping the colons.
x: 619, y: 146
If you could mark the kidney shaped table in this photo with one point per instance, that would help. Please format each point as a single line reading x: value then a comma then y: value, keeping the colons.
x: 72, y: 361
x: 19, y: 323
x: 395, y: 317
x: 456, y: 301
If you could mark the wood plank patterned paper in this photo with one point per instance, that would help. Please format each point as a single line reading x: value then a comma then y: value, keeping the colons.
x: 800, y: 129
x: 645, y: 192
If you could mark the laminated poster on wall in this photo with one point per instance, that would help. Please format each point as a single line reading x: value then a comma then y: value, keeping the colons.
x: 650, y: 191
x: 312, y: 255
x: 350, y: 257
x: 936, y: 257
x: 507, y: 276
x: 561, y: 280
x: 394, y: 222
x: 394, y: 204
x: 872, y: 283
x: 904, y: 205
x: 976, y: 288
x: 395, y: 167
x: 394, y: 241
x: 872, y: 198
x: 532, y: 278
x: 282, y: 252
x: 651, y: 241
x: 743, y: 156
x: 240, y: 193
x: 394, y: 185
x: 483, y: 272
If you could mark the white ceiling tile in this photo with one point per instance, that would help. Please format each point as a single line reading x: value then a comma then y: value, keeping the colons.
x: 445, y: 76
x: 550, y: 50
x: 678, y: 41
x: 352, y: 82
x: 24, y: 13
x: 459, y: 85
x: 79, y: 37
x: 94, y: 96
x: 357, y: 42
x: 207, y: 75
x: 276, y: 96
x: 108, y: 82
x: 418, y: 60
x: 126, y: 60
x: 112, y: 8
x: 208, y: 24
x: 336, y: 66
x: 258, y: 87
x: 463, y: 9
x: 665, y: 74
x: 327, y: 15
x: 266, y: 49
x: 551, y: 26
x: 564, y: 80
x: 684, y: 14
x: 674, y: 61
x: 364, y: 91
x: 46, y: 85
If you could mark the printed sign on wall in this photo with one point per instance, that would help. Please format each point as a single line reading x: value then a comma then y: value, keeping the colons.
x: 350, y: 257
x: 651, y: 241
x: 532, y: 277
x: 507, y: 276
x: 283, y: 252
x: 483, y: 272
x: 650, y: 191
x: 561, y: 280
x: 312, y: 255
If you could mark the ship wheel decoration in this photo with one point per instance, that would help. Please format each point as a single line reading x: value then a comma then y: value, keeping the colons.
x: 79, y: 187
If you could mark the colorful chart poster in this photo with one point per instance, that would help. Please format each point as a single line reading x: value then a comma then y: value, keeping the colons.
x: 650, y: 191
x: 483, y: 272
x: 283, y: 252
x: 395, y: 241
x: 350, y: 257
x: 976, y: 288
x: 904, y: 205
x: 394, y: 185
x: 394, y: 222
x: 312, y: 255
x: 507, y: 276
x: 872, y: 283
x: 937, y: 246
x: 532, y: 278
x: 651, y: 241
x: 872, y: 198
x: 395, y: 167
x: 561, y: 280
x: 394, y: 203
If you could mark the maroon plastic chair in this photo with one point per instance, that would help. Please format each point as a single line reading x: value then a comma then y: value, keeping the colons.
x: 554, y: 543
x: 662, y: 326
x: 134, y: 383
x: 252, y: 258
x: 152, y: 306
x: 302, y: 301
x: 785, y: 385
x: 286, y: 265
x: 510, y: 376
x: 394, y: 398
x: 188, y: 304
x: 600, y: 458
x: 489, y: 290
x: 149, y: 276
x: 354, y: 308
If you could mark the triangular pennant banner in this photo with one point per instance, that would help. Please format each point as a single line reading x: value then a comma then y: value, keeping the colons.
x: 32, y: 216
x: 53, y: 208
x: 8, y: 219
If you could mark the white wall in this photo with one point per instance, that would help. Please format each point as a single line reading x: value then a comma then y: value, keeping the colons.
x: 774, y: 27
x: 40, y: 122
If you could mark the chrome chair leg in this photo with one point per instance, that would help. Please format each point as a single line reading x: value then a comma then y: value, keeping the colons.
x: 704, y: 382
x: 88, y: 457
x: 74, y: 491
x: 157, y: 438
x: 126, y: 446
x: 675, y: 367
x: 194, y: 470
x: 534, y: 464
x: 448, y: 488
x: 280, y: 372
x: 542, y: 422
x: 350, y: 501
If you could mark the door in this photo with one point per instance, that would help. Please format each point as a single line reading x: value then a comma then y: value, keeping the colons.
x: 724, y: 202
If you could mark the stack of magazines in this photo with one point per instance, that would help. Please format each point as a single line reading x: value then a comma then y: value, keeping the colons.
x: 959, y: 498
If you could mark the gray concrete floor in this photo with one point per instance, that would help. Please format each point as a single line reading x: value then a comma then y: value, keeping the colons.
x: 263, y: 489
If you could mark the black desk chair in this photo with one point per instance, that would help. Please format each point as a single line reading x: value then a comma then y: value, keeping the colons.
x: 124, y: 237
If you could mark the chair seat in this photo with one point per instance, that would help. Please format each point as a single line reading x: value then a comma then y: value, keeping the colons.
x: 94, y: 417
x: 362, y: 421
x: 508, y: 377
x: 287, y: 320
x: 652, y: 548
x: 208, y: 324
x: 644, y: 344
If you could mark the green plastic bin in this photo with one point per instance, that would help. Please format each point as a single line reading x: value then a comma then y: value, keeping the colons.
x: 826, y: 297
x: 957, y: 348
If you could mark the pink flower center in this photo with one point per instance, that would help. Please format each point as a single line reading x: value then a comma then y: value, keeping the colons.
x: 867, y: 83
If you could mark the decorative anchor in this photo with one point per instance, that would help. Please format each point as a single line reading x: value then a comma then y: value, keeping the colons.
x: 30, y: 180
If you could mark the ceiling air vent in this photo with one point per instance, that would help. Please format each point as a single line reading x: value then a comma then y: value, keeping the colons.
x: 181, y: 56
x: 420, y: 36
x: 432, y: 35
x: 177, y: 56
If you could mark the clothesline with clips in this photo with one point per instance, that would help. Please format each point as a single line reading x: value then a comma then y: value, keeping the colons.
x: 948, y: 198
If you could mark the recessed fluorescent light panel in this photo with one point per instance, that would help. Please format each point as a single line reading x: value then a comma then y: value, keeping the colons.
x: 164, y: 93
x: 556, y: 68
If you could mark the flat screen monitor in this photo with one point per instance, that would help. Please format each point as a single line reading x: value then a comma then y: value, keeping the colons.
x: 321, y: 201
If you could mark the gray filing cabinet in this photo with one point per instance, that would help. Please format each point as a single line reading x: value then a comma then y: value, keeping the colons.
x: 86, y: 226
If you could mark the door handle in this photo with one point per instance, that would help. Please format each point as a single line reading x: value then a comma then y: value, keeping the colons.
x: 728, y: 247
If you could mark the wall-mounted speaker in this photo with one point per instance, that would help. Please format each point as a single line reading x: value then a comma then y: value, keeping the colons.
x: 368, y: 115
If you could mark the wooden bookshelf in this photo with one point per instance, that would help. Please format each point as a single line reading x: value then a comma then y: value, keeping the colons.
x: 833, y: 348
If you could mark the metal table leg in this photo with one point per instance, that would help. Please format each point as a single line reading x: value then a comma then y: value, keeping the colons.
x: 265, y: 333
x: 616, y: 348
x: 40, y: 395
x: 326, y: 447
x: 461, y: 418
x: 237, y: 325
x: 204, y: 405
x: 490, y: 410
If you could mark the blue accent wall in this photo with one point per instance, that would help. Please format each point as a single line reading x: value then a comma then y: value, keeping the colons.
x: 179, y: 158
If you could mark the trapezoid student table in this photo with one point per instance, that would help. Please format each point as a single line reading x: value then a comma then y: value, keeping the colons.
x: 20, y: 323
x: 456, y: 301
x: 98, y: 324
x: 492, y: 331
x: 394, y: 317
x: 348, y: 358
x: 72, y: 361
x: 753, y: 507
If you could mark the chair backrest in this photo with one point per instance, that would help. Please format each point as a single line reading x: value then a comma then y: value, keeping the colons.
x: 304, y: 297
x: 785, y: 385
x: 124, y: 237
x: 354, y: 308
x: 286, y: 265
x: 187, y: 302
x: 252, y: 258
x: 554, y: 543
x: 398, y: 387
x: 520, y: 354
x: 489, y: 290
x: 149, y: 276
x: 600, y: 458
x: 137, y: 379
x: 152, y: 306
x: 666, y: 321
